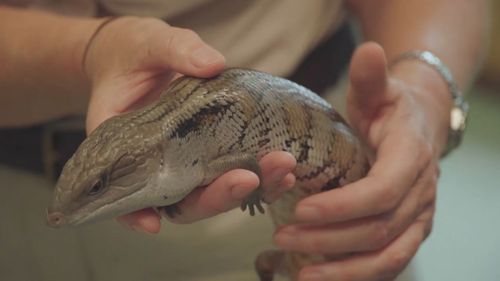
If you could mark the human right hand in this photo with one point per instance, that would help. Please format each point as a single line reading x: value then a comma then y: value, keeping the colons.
x: 126, y: 61
x: 379, y: 222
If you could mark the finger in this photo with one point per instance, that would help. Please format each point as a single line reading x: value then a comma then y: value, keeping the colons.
x: 368, y: 72
x: 227, y: 191
x: 367, y: 234
x: 368, y: 92
x: 224, y: 194
x: 276, y: 170
x: 427, y: 218
x: 146, y: 220
x: 398, y: 164
x: 178, y: 50
x: 285, y: 185
x: 132, y: 96
x: 182, y: 50
x: 368, y: 76
x: 384, y: 264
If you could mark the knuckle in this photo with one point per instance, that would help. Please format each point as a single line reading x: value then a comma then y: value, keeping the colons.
x: 427, y: 198
x: 426, y: 151
x: 433, y: 180
x: 395, y: 263
x: 314, y: 245
x: 141, y: 25
x: 432, y: 194
x: 389, y: 198
x: 181, y: 41
x: 428, y: 230
x: 429, y: 194
x: 396, y: 260
x: 141, y: 28
x: 437, y: 171
x: 380, y: 236
x: 185, y: 35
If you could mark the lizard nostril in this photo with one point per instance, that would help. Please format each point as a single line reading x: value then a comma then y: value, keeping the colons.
x: 55, y: 219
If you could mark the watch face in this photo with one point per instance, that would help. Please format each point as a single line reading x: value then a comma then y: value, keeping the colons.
x: 458, y: 122
x: 458, y: 119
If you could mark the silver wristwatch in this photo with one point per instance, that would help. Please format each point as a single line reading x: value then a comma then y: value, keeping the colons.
x: 460, y: 110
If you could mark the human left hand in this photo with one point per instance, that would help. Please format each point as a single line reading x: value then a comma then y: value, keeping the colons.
x: 381, y: 220
x: 127, y: 63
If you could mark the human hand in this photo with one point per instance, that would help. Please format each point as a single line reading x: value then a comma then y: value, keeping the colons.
x: 127, y: 61
x: 373, y: 227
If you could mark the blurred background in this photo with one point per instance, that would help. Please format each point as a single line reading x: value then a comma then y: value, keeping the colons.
x: 464, y: 244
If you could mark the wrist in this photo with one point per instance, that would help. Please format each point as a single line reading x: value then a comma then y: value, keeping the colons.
x: 90, y: 42
x: 68, y: 42
x: 431, y: 93
x: 80, y: 32
x: 40, y: 67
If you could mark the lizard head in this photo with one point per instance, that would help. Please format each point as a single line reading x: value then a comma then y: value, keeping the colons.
x: 101, y: 178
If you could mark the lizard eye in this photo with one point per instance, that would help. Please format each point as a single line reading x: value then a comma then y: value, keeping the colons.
x: 97, y: 188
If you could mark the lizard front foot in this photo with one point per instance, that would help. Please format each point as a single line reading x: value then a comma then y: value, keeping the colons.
x: 171, y: 210
x: 245, y: 161
x: 252, y: 201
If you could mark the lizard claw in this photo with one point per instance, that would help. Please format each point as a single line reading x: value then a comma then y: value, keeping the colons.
x: 252, y: 201
x: 171, y: 210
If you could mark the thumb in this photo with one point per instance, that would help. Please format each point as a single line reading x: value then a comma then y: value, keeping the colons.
x: 368, y: 79
x: 183, y: 51
x: 101, y: 105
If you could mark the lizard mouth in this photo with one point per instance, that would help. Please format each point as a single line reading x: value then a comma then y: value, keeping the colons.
x: 59, y: 220
x: 55, y: 219
x: 93, y: 211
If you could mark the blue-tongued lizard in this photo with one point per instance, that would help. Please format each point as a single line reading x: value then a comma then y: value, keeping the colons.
x: 198, y: 130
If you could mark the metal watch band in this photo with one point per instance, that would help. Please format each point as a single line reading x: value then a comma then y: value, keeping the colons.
x: 460, y: 110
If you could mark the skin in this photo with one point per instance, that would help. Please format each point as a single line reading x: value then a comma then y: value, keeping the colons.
x: 402, y: 113
x: 119, y: 83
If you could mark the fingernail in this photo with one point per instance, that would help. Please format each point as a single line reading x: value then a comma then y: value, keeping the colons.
x: 285, y: 237
x: 287, y: 182
x: 284, y: 240
x: 138, y: 228
x: 278, y: 175
x: 239, y: 192
x: 205, y: 56
x: 308, y: 213
x: 312, y: 275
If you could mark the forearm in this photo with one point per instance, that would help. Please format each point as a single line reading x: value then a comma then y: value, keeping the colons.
x: 454, y: 30
x: 40, y: 70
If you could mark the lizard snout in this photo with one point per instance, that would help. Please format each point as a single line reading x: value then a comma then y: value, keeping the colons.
x: 55, y: 219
